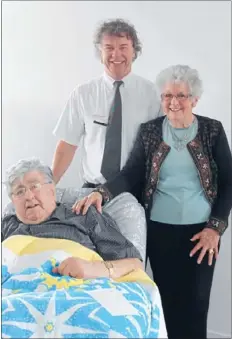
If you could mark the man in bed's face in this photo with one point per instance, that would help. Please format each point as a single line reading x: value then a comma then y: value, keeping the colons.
x: 34, y: 199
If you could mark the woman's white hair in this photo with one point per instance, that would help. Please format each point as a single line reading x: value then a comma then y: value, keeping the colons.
x: 24, y: 166
x: 178, y: 74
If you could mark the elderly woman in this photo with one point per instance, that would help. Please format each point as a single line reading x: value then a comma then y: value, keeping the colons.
x: 185, y: 162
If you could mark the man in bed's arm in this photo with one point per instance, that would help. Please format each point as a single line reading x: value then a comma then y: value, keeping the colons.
x: 31, y: 188
x: 80, y: 268
x: 120, y: 256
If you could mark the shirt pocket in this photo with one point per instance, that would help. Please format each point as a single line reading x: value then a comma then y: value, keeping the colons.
x: 101, y: 120
x: 96, y: 126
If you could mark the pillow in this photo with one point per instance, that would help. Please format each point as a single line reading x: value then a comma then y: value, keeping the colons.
x: 124, y: 209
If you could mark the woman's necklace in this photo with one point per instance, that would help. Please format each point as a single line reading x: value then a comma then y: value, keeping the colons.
x: 180, y: 143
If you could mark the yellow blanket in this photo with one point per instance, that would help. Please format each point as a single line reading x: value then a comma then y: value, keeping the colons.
x: 33, y: 251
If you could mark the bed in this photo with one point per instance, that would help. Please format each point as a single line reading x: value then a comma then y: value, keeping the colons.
x: 36, y: 303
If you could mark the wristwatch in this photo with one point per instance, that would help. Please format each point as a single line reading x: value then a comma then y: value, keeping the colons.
x: 110, y: 268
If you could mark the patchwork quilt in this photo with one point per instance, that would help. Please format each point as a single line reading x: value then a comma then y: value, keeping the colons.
x: 36, y: 303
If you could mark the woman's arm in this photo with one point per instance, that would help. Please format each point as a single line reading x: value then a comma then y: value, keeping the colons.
x: 129, y: 179
x: 222, y: 206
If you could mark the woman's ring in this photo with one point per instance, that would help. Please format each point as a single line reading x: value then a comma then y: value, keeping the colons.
x: 211, y: 251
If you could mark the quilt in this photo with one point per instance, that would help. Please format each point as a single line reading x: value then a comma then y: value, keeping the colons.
x: 37, y: 303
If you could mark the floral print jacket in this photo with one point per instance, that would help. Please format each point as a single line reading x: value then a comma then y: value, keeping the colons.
x: 211, y: 154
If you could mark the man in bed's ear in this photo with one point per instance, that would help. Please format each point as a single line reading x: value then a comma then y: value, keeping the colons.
x: 31, y: 188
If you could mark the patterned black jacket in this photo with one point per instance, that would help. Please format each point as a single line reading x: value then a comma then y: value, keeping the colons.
x: 211, y: 154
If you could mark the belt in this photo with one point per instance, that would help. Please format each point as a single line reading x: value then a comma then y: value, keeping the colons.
x: 90, y: 185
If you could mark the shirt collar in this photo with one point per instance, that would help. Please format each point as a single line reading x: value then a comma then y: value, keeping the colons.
x: 110, y: 81
x: 59, y: 212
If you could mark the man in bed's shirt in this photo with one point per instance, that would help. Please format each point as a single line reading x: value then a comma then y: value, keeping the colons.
x: 32, y: 191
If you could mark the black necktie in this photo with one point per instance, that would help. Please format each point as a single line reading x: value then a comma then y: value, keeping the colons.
x: 111, y: 160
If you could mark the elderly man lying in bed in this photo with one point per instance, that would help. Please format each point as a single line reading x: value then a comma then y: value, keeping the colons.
x: 32, y: 190
x: 56, y: 267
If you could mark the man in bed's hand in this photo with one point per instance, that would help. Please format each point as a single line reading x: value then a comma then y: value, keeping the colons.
x: 83, y: 269
x: 74, y: 267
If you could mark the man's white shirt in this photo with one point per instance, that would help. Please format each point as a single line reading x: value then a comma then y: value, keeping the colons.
x: 91, y: 102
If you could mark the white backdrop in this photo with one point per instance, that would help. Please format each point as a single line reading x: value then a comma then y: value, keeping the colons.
x: 47, y: 49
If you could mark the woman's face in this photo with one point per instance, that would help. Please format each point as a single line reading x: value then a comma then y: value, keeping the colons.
x: 177, y: 102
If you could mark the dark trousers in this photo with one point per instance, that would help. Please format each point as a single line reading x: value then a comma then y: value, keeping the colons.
x: 184, y: 285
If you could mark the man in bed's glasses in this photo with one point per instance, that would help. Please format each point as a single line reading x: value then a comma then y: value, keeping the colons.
x: 31, y: 188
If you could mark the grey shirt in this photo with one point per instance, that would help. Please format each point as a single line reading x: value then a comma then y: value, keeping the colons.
x: 96, y: 231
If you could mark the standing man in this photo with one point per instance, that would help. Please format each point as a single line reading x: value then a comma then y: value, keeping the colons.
x: 106, y: 111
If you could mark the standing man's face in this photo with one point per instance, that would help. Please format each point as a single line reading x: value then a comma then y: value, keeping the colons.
x: 117, y: 54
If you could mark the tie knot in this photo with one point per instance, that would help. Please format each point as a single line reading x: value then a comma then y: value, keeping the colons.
x: 117, y: 84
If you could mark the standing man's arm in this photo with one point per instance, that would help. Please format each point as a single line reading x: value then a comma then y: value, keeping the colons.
x: 69, y: 130
x: 63, y: 157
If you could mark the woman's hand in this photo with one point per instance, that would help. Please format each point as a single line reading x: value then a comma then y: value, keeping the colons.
x: 208, y: 242
x: 94, y: 198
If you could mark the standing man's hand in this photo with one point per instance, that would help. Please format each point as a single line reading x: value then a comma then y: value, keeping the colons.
x: 95, y: 198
